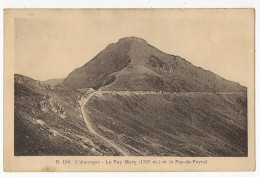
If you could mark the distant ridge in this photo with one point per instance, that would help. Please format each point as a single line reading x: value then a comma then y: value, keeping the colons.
x: 53, y: 81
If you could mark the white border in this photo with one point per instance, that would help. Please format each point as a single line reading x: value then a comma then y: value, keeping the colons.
x: 133, y: 4
x: 128, y: 4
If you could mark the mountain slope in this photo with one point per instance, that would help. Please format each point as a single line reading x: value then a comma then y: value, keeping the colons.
x: 173, y: 124
x: 48, y: 121
x: 133, y: 64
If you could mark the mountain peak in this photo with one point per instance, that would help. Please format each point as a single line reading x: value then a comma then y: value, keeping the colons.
x: 132, y: 39
x: 133, y: 64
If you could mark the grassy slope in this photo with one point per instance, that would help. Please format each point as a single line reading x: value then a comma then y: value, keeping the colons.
x: 45, y: 133
x: 170, y: 125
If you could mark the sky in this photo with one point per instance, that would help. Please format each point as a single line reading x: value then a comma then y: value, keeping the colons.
x: 51, y: 44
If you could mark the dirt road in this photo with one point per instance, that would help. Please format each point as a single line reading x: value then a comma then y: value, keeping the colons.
x: 93, y: 131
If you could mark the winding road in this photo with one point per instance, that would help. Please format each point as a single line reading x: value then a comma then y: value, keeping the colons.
x: 93, y: 131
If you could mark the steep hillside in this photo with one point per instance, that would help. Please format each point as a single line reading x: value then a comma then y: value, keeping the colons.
x: 48, y: 121
x: 133, y: 64
x: 172, y: 124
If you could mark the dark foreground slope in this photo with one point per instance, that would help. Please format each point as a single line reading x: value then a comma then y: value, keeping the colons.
x: 183, y: 124
x: 133, y: 64
x: 49, y: 122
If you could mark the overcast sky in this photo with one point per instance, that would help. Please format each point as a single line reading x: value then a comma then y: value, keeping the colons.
x: 52, y: 44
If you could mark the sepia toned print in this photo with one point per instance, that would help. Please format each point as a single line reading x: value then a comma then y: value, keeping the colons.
x: 132, y: 99
x: 130, y: 104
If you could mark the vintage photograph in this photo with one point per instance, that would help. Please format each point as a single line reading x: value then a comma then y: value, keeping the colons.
x: 142, y: 83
